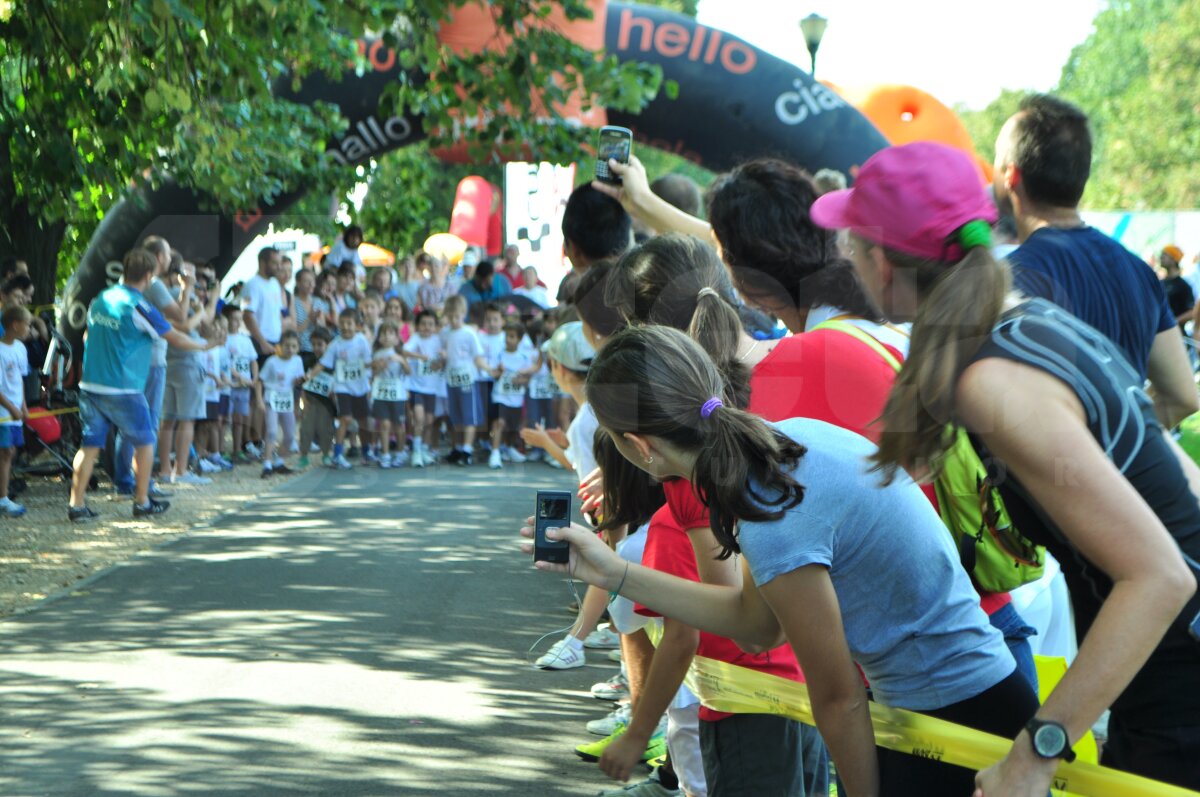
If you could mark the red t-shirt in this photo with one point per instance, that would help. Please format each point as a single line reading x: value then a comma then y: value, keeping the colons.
x: 669, y: 551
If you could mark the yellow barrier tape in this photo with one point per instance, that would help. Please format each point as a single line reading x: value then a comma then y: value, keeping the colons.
x: 728, y: 687
x: 45, y: 413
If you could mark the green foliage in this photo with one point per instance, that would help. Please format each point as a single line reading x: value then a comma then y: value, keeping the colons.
x: 98, y: 94
x: 984, y: 125
x: 1137, y: 76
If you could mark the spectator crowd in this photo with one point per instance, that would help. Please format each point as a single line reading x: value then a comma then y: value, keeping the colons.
x: 770, y: 397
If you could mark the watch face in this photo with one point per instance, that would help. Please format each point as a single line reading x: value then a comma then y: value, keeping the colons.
x: 1050, y: 741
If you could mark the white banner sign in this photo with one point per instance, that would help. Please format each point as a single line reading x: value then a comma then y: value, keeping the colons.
x: 535, y: 195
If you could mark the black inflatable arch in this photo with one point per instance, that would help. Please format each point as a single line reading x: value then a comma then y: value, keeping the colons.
x: 735, y: 102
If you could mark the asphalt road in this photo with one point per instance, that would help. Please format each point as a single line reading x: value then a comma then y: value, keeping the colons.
x: 361, y: 633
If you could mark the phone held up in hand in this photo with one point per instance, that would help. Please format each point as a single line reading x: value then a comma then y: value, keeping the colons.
x: 615, y: 143
x: 553, y: 511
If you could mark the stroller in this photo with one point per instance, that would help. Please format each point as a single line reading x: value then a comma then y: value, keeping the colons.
x: 53, y: 431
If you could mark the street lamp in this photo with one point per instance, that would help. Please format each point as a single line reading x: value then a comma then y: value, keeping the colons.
x: 813, y: 28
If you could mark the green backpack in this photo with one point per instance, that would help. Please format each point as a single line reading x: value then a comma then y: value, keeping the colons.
x: 992, y: 550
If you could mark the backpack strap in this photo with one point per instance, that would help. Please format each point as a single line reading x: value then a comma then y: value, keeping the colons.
x: 854, y: 332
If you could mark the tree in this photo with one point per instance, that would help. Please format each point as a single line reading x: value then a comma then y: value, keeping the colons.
x: 1137, y: 76
x: 98, y: 94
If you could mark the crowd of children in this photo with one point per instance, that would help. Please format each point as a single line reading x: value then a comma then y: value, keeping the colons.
x: 383, y: 391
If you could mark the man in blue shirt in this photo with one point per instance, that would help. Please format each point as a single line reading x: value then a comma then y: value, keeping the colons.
x: 486, y: 285
x: 121, y: 329
x: 1043, y: 161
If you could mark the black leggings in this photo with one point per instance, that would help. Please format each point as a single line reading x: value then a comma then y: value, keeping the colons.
x: 1002, y: 710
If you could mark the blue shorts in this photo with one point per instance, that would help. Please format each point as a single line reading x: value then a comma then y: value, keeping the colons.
x: 126, y: 411
x: 239, y: 401
x: 465, y: 408
x: 11, y: 436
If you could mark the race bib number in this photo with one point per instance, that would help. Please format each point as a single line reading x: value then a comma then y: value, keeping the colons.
x: 543, y: 387
x: 421, y: 368
x: 321, y: 384
x: 281, y: 400
x: 507, y: 386
x: 241, y: 367
x: 388, y: 388
x: 350, y: 370
x: 460, y: 377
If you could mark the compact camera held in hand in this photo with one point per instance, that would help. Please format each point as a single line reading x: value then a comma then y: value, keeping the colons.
x: 553, y: 511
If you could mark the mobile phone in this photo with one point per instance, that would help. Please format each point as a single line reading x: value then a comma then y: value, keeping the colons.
x: 616, y: 143
x: 553, y: 511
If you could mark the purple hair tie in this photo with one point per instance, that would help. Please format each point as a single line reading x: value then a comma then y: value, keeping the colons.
x: 707, y: 408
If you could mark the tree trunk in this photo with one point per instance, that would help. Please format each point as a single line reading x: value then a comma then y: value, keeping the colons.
x: 37, y: 243
x: 26, y: 236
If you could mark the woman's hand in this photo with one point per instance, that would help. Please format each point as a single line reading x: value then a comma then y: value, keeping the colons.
x: 591, y: 491
x: 634, y: 192
x: 536, y: 437
x: 559, y: 437
x: 591, y: 560
x: 1021, y: 773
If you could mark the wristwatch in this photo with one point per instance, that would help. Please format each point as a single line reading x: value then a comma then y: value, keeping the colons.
x: 1050, y: 740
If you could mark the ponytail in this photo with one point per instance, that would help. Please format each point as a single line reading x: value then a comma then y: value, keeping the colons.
x: 960, y: 304
x: 739, y: 448
x: 678, y: 281
x: 655, y: 381
x: 717, y: 327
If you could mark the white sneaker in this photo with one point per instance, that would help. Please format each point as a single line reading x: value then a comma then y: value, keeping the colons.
x: 561, y: 655
x: 603, y: 638
x: 418, y: 459
x: 295, y: 447
x: 253, y: 450
x: 614, y: 688
x: 341, y: 463
x: 495, y: 462
x: 191, y: 478
x: 385, y: 461
x: 10, y: 507
x: 607, y: 724
x: 399, y: 460
x: 516, y: 456
x: 207, y: 467
x: 554, y: 463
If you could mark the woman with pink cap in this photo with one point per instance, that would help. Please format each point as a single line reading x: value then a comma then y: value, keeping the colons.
x: 1090, y: 474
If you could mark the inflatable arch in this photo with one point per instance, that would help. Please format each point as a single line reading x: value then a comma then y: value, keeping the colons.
x: 735, y: 102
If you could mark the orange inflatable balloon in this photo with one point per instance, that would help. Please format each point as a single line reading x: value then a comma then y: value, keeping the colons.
x: 905, y: 114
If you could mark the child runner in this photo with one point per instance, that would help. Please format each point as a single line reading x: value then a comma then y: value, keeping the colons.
x: 398, y: 313
x: 243, y: 360
x: 225, y: 363
x: 424, y: 351
x: 347, y: 357
x: 389, y: 396
x: 542, y: 390
x: 317, y: 422
x: 14, y: 367
x: 281, y: 374
x: 491, y: 337
x: 463, y: 360
x: 508, y: 394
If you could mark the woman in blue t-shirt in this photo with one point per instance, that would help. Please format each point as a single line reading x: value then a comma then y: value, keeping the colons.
x: 850, y: 571
x: 1081, y: 462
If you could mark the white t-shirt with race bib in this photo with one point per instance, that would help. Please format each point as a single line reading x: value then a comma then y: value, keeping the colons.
x: 423, y: 379
x: 278, y: 377
x: 350, y: 361
x: 493, y: 346
x: 462, y: 349
x: 507, y: 392
x: 391, y: 383
x: 241, y: 355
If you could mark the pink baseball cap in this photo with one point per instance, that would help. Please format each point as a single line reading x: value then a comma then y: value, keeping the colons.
x: 911, y: 198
